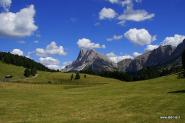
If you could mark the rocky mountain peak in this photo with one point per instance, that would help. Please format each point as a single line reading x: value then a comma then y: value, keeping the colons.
x: 90, y: 59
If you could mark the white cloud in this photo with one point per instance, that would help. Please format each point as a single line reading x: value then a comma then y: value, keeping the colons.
x: 50, y: 62
x: 87, y: 43
x: 115, y: 38
x: 173, y: 41
x: 18, y: 24
x: 135, y: 15
x: 115, y: 58
x: 107, y: 13
x: 17, y: 52
x: 41, y: 52
x: 131, y: 14
x: 51, y: 49
x: 5, y: 4
x: 151, y: 47
x: 136, y: 54
x: 139, y: 36
x: 53, y: 63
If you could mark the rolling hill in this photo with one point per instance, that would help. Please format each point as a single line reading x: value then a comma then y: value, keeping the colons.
x: 89, y: 100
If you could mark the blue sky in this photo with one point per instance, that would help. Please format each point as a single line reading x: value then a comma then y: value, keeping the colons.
x: 116, y: 28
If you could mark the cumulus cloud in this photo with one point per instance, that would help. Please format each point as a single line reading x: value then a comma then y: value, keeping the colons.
x: 50, y: 62
x: 107, y: 13
x: 139, y: 36
x: 117, y: 58
x: 136, y: 54
x: 5, y: 4
x: 17, y: 52
x: 51, y: 49
x: 135, y: 15
x: 131, y: 14
x: 18, y: 24
x: 174, y: 40
x: 115, y: 38
x: 151, y: 47
x: 87, y: 43
x: 53, y: 63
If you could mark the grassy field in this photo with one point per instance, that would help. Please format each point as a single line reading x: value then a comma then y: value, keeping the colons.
x: 53, y: 98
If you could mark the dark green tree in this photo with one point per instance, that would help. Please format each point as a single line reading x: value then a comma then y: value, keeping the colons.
x: 72, y: 76
x: 33, y: 71
x: 77, y: 75
x: 27, y: 72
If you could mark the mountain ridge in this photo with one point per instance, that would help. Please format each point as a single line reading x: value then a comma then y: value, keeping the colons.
x: 90, y: 60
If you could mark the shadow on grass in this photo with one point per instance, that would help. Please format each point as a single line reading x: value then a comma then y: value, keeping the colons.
x: 179, y: 91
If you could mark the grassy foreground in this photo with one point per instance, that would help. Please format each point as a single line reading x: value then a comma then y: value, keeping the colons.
x: 109, y: 102
x: 53, y: 98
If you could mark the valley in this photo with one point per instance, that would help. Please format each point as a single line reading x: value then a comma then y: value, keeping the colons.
x: 89, y: 100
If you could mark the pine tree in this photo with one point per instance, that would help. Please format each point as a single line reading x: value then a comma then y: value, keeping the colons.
x: 27, y: 72
x: 77, y: 75
x: 72, y: 76
x: 33, y: 71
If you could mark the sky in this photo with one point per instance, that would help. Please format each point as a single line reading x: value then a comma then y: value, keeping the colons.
x: 53, y: 31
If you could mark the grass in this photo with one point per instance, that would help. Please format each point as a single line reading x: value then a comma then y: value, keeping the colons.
x: 91, y: 100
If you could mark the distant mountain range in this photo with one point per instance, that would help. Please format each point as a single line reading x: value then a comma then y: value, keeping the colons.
x: 90, y: 60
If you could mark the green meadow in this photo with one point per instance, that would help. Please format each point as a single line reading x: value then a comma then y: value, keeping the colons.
x: 54, y: 98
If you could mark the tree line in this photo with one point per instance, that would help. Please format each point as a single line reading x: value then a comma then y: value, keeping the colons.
x: 22, y: 61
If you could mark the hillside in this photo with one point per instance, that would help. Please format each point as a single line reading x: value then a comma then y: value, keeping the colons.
x: 53, y: 97
x: 21, y: 61
x: 47, y: 77
x: 8, y: 69
x: 111, y: 101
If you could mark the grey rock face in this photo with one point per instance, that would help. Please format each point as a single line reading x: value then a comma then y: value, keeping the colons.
x: 124, y: 64
x: 91, y: 60
x: 163, y: 55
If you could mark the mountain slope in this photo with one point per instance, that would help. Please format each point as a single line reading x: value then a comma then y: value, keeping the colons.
x: 162, y: 56
x: 21, y: 61
x: 90, y: 60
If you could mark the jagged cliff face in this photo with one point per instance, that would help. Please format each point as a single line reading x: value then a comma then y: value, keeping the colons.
x: 89, y: 59
x: 161, y: 56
